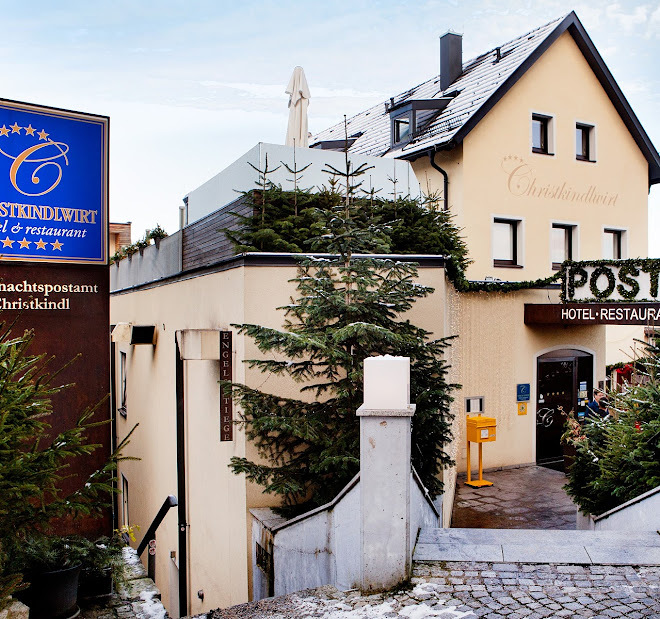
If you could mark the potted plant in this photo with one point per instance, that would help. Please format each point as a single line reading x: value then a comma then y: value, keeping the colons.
x: 51, y: 564
x: 157, y: 234
x: 99, y: 559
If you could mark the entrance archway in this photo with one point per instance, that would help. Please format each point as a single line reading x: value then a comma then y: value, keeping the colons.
x: 564, y: 382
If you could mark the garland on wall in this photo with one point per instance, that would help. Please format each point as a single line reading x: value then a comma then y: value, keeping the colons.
x: 462, y: 284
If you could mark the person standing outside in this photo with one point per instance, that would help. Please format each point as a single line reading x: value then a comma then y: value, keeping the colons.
x: 598, y: 408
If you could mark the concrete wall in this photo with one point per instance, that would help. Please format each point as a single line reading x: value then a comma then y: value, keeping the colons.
x: 154, y: 263
x: 639, y: 514
x: 420, y: 515
x: 322, y: 546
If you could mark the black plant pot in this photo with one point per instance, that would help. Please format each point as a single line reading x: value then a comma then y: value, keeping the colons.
x: 52, y: 595
x: 94, y: 584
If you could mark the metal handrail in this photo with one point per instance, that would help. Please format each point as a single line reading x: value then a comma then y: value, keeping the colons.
x: 170, y: 501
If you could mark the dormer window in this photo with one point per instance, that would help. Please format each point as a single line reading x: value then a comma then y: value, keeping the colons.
x: 412, y: 116
x: 401, y: 129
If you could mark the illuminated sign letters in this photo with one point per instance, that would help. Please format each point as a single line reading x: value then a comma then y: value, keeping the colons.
x: 53, y: 185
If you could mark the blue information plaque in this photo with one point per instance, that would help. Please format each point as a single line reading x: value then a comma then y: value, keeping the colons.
x: 53, y: 185
x: 522, y: 392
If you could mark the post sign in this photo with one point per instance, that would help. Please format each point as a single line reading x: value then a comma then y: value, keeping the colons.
x: 602, y: 281
x: 226, y: 413
x: 53, y: 185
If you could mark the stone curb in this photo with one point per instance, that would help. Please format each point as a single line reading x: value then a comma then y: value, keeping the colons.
x: 17, y: 610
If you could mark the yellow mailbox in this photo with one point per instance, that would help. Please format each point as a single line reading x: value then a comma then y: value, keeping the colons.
x: 480, y: 430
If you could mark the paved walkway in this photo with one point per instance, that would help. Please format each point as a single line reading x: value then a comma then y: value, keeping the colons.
x: 539, y: 546
x: 529, y: 497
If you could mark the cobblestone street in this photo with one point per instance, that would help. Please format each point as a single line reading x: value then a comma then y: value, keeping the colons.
x: 515, y: 590
x: 490, y: 590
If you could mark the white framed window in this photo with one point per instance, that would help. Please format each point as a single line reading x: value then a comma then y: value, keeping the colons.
x: 542, y: 134
x: 563, y: 243
x: 507, y: 242
x: 615, y: 243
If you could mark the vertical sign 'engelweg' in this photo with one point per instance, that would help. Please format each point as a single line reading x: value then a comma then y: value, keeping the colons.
x: 226, y: 416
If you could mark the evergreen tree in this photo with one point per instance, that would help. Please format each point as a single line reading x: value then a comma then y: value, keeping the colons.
x: 618, y: 458
x: 347, y: 308
x: 281, y: 221
x: 33, y: 462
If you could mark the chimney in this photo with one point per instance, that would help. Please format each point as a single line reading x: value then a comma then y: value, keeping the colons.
x: 451, y: 58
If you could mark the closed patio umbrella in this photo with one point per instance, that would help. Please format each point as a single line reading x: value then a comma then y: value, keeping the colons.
x: 298, y: 91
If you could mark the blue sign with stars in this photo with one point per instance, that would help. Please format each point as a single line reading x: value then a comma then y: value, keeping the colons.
x: 53, y: 185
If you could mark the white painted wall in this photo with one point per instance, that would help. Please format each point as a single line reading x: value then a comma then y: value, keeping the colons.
x: 639, y: 514
x: 226, y: 186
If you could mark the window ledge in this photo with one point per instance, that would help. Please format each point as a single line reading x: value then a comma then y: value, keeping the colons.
x: 506, y: 265
x: 538, y: 151
x: 585, y: 159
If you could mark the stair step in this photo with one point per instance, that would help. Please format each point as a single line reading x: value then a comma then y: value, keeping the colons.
x: 539, y: 546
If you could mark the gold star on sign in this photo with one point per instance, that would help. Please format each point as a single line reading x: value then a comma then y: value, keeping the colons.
x: 7, y: 242
x: 41, y: 244
x: 4, y: 130
x: 57, y: 245
x: 29, y: 130
x: 15, y: 128
x: 25, y: 244
x: 42, y: 135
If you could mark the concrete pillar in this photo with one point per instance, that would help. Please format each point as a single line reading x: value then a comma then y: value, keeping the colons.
x: 385, y: 473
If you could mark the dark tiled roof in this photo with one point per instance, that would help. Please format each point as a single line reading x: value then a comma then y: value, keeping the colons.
x: 481, y: 77
x: 484, y: 81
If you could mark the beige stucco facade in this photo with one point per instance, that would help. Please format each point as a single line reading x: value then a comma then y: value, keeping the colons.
x: 493, y: 352
x: 495, y: 173
x: 217, y: 500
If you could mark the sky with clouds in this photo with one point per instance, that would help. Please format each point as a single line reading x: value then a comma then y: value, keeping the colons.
x: 191, y: 85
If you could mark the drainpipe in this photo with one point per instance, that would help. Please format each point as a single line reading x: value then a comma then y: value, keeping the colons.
x: 435, y: 166
x: 113, y: 427
x: 181, y: 483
